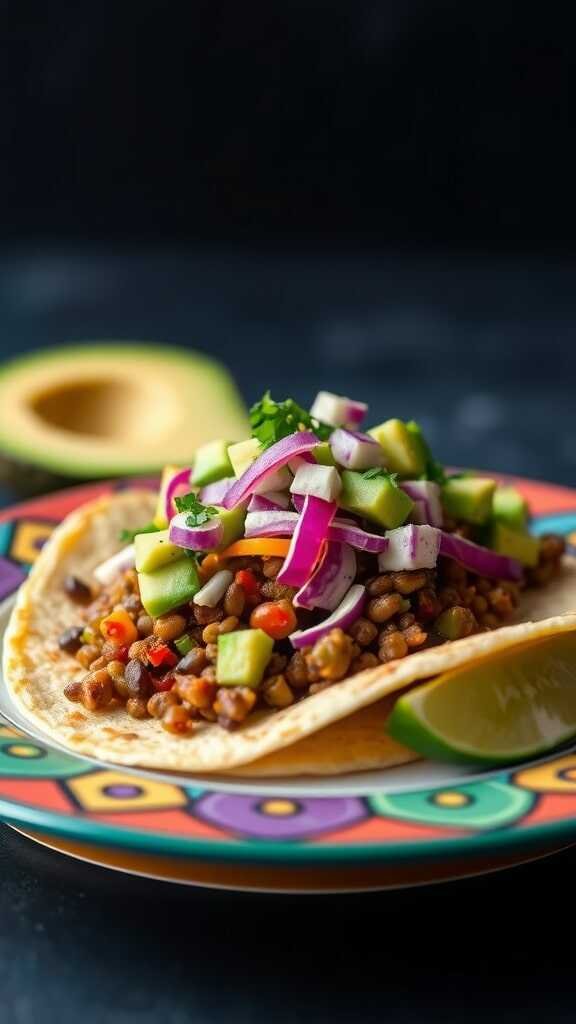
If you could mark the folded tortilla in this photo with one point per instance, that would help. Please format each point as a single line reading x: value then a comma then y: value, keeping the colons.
x: 338, y: 729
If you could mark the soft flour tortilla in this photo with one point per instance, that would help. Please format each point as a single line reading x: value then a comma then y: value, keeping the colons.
x: 36, y: 670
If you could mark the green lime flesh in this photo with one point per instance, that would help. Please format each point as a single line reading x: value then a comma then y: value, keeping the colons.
x: 495, y: 711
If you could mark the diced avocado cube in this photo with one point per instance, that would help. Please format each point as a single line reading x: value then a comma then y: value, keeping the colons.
x: 184, y: 644
x: 377, y: 498
x: 160, y: 514
x: 417, y: 435
x: 510, y: 508
x: 469, y: 498
x: 153, y: 550
x: 169, y: 587
x: 233, y: 524
x: 211, y: 463
x: 522, y: 546
x: 323, y: 454
x: 243, y: 454
x: 242, y: 657
x: 403, y: 449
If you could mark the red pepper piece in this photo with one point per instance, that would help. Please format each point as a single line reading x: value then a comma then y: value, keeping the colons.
x: 162, y: 655
x: 248, y: 582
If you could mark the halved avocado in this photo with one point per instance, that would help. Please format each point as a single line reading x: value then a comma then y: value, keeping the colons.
x: 105, y: 410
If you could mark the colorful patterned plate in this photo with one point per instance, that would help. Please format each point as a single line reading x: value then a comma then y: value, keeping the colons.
x: 277, y: 838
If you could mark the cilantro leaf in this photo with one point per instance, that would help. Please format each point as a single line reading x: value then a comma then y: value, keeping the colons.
x: 197, y: 512
x: 127, y: 536
x: 271, y: 421
x: 377, y: 473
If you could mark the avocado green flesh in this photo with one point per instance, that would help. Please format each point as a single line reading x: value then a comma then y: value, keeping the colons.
x: 243, y: 454
x: 403, y: 449
x: 469, y: 498
x: 521, y: 546
x: 242, y: 657
x: 212, y: 463
x: 153, y: 550
x: 323, y: 455
x: 233, y: 524
x: 103, y: 410
x: 510, y: 508
x: 169, y: 587
x: 496, y: 711
x: 378, y: 499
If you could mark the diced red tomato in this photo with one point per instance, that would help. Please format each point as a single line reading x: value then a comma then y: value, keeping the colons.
x: 162, y: 655
x: 248, y: 582
x: 119, y: 628
x: 276, y: 618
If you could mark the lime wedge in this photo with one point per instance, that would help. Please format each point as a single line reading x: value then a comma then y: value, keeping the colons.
x: 501, y: 709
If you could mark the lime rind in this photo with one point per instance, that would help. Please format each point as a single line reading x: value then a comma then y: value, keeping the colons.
x: 545, y: 703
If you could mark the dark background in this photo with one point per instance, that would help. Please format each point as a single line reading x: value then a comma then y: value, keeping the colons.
x: 375, y: 198
x: 407, y: 123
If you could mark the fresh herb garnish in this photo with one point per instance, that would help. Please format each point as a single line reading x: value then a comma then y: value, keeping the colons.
x: 271, y: 421
x: 198, y: 514
x: 127, y: 536
x: 377, y: 473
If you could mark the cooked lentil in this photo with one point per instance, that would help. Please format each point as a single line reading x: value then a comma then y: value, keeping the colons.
x: 380, y: 609
x: 137, y: 707
x: 169, y: 627
x: 234, y: 600
x: 193, y: 662
x: 71, y: 639
x: 393, y: 646
x: 405, y: 612
x: 77, y: 590
x: 276, y: 692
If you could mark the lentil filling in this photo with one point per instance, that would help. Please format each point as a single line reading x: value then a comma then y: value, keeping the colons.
x: 166, y: 667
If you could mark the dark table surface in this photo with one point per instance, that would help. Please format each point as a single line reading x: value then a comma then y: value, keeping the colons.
x: 481, y: 351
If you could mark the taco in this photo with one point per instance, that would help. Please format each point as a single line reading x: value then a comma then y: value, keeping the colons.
x: 261, y: 614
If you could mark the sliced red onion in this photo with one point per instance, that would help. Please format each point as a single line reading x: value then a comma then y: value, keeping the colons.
x: 274, y: 458
x: 338, y: 411
x: 301, y: 460
x: 308, y: 539
x: 107, y: 571
x: 277, y: 523
x: 197, y: 538
x: 319, y: 481
x: 410, y: 547
x: 213, y: 591
x: 428, y: 492
x: 180, y: 479
x: 348, y: 533
x: 298, y: 502
x: 270, y: 501
x: 478, y: 559
x: 270, y: 523
x: 213, y: 494
x: 354, y: 450
x: 279, y: 480
x: 331, y: 580
x: 346, y: 613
